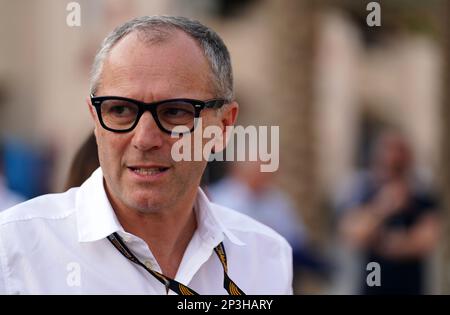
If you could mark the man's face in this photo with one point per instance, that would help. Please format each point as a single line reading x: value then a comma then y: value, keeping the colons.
x: 394, y: 155
x: 137, y: 166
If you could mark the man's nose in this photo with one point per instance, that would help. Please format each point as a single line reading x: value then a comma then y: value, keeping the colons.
x: 147, y: 135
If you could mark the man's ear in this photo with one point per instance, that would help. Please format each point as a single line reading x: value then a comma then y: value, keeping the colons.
x: 229, y: 114
x: 91, y: 108
x: 93, y: 114
x: 228, y: 118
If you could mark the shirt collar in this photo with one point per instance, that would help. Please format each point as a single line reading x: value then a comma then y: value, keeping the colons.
x: 208, y: 223
x: 96, y: 218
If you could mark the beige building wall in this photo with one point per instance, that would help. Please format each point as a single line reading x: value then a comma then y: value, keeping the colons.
x: 398, y: 83
x: 337, y: 75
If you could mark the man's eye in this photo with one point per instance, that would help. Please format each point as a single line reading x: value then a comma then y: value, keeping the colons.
x: 176, y: 112
x: 120, y: 110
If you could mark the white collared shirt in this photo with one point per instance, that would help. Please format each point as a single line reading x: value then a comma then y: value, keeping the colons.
x: 56, y: 244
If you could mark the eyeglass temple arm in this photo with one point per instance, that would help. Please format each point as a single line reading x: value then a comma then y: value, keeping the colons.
x: 215, y: 103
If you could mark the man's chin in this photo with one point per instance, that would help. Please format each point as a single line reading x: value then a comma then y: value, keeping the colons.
x: 149, y: 204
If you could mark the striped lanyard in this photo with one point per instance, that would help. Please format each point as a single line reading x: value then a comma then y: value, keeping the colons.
x: 172, y: 284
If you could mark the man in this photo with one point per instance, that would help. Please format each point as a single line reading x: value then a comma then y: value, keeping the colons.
x: 391, y: 219
x: 140, y: 223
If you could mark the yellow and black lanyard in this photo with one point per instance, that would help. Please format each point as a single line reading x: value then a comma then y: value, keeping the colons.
x: 172, y: 284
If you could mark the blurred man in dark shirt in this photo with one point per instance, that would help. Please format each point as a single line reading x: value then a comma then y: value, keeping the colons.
x: 391, y: 219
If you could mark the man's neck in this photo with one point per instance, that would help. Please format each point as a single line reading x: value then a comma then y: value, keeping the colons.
x: 166, y: 234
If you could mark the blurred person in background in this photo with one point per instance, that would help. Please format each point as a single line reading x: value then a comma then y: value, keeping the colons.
x: 141, y: 223
x: 254, y: 193
x: 84, y: 163
x: 8, y: 198
x: 391, y: 218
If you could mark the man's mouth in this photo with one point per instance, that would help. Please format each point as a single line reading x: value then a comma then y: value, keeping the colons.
x: 148, y: 170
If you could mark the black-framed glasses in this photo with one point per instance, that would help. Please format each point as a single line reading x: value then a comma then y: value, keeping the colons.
x: 121, y: 114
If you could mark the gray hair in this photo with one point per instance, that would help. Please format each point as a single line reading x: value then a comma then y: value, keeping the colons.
x: 155, y: 29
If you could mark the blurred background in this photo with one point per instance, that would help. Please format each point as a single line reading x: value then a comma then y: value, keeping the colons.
x: 364, y: 116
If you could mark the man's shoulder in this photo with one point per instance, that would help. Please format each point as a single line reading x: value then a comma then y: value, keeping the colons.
x: 46, y: 207
x: 246, y: 227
